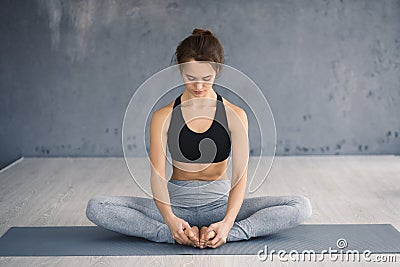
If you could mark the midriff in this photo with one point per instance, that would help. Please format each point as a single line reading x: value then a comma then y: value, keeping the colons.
x: 199, y: 171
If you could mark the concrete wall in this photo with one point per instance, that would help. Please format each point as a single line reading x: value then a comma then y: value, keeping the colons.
x: 329, y: 69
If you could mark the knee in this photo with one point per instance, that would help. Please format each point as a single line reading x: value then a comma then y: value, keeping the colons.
x: 92, y: 208
x: 303, y: 204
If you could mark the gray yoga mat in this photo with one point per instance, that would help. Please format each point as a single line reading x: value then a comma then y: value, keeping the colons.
x: 97, y: 241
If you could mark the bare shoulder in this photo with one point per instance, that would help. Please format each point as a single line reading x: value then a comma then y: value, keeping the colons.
x: 162, y: 116
x: 233, y: 112
x: 165, y: 110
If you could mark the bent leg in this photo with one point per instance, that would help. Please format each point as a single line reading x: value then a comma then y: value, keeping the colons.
x: 260, y: 216
x: 135, y: 216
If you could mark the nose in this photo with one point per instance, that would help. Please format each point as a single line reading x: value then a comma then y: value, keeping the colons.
x: 198, y: 86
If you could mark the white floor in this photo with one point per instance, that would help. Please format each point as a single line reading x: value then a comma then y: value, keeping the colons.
x: 55, y: 191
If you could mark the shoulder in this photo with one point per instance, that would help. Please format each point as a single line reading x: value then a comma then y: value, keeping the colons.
x: 234, y: 112
x: 162, y: 116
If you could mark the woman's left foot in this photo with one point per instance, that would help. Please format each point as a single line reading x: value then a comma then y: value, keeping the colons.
x: 204, y: 238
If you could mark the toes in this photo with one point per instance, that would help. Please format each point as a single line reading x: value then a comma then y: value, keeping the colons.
x: 202, y: 232
x: 202, y: 236
x: 192, y: 234
x: 195, y: 231
x: 196, y: 237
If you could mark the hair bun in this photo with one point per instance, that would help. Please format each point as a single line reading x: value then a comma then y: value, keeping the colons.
x: 201, y: 32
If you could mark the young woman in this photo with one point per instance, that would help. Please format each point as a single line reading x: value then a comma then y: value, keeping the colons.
x: 199, y: 193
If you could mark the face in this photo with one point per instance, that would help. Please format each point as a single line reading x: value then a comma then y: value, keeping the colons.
x: 198, y: 77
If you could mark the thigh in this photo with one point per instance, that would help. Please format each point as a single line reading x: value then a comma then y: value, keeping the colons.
x: 146, y: 206
x: 216, y: 211
x: 254, y: 204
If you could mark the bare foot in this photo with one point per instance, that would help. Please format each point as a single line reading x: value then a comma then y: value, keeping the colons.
x: 194, y: 238
x: 203, y: 238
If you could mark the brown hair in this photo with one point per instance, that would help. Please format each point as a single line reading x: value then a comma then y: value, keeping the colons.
x: 202, y: 45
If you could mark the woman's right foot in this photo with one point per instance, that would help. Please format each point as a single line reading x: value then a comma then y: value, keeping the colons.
x: 196, y: 237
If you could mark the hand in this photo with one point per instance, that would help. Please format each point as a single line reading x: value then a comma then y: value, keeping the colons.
x: 178, y: 227
x: 222, y: 229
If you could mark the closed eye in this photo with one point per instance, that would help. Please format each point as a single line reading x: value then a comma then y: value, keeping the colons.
x: 206, y: 78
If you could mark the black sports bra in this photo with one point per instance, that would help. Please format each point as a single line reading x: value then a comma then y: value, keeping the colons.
x: 213, y: 145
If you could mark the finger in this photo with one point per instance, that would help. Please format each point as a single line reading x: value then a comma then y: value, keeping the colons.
x: 186, y: 225
x: 187, y: 241
x: 190, y: 232
x: 219, y: 243
x: 184, y: 238
x: 182, y: 234
x: 177, y: 237
x: 209, y: 229
x: 216, y: 243
x: 211, y: 234
x: 180, y: 240
x: 216, y: 239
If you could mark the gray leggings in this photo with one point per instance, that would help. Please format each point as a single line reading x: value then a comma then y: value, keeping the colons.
x: 200, y: 203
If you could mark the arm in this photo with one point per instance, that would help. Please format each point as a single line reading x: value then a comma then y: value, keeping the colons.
x: 158, y: 141
x: 240, y: 158
x: 158, y: 161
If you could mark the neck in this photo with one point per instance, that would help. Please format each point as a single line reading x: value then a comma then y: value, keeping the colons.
x: 199, y: 101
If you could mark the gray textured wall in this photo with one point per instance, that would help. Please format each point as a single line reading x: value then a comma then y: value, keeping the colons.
x: 330, y: 69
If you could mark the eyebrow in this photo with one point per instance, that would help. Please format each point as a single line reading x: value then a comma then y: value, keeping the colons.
x: 196, y: 77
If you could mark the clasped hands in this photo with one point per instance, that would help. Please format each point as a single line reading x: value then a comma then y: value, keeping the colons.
x: 212, y: 236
